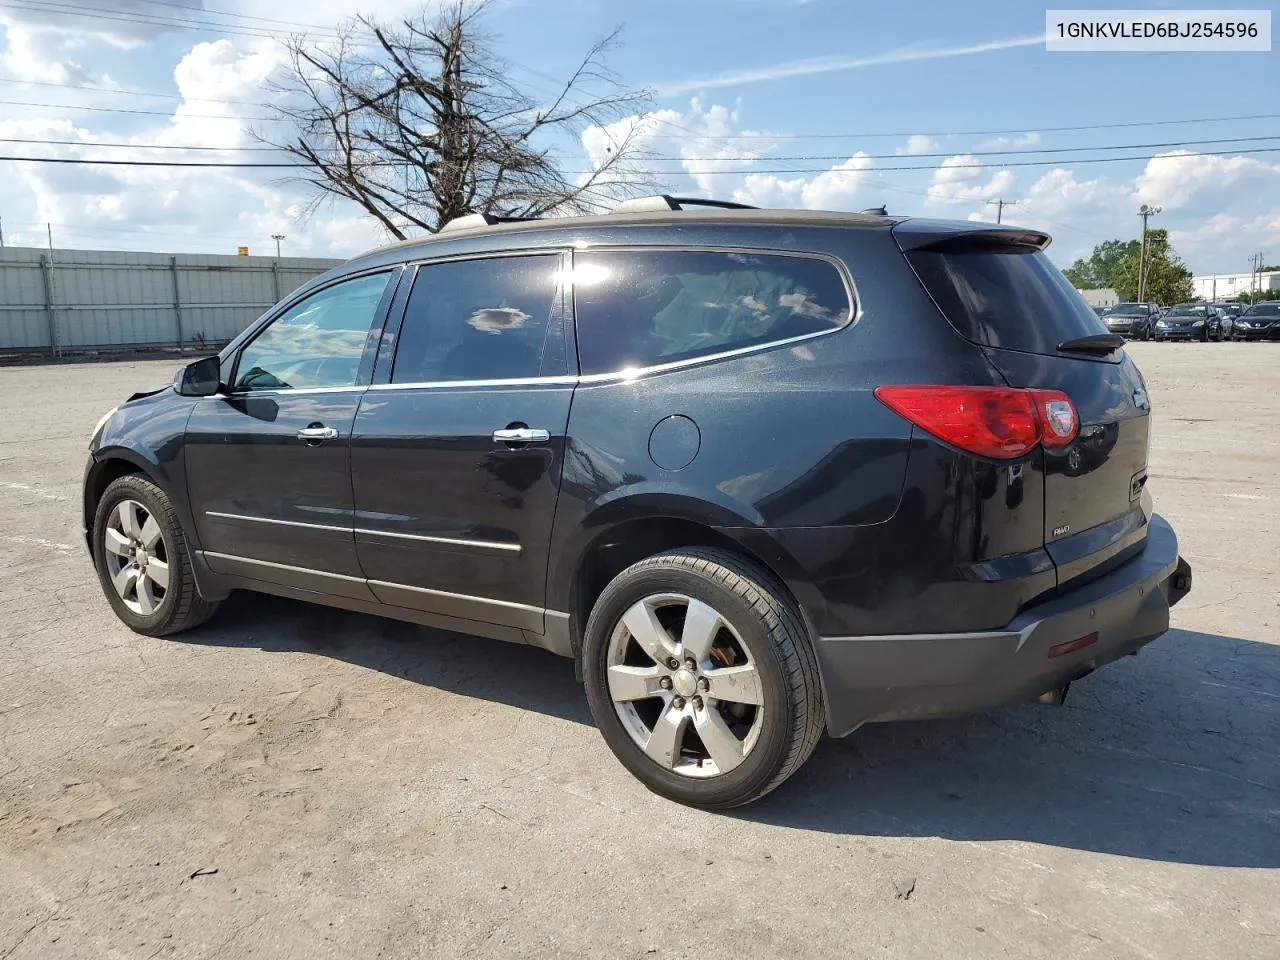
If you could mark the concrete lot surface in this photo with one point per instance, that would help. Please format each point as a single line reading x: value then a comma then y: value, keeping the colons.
x: 291, y: 781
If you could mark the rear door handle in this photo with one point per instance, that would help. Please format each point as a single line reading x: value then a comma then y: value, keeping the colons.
x: 521, y: 435
x: 314, y: 433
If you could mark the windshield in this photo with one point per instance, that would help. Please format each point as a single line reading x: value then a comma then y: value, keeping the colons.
x: 1128, y: 310
x: 1263, y: 310
x: 1188, y: 310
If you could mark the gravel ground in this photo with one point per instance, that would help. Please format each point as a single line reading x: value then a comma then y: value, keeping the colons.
x: 292, y: 781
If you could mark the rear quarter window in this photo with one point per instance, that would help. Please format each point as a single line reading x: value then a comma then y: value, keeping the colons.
x: 640, y: 308
x: 1005, y: 296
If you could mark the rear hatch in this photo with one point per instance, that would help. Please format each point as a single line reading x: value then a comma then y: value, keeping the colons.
x: 999, y: 289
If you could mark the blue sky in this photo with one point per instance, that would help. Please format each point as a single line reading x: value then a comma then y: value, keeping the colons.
x: 740, y: 85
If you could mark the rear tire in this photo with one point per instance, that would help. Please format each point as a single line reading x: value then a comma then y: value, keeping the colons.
x: 728, y: 626
x: 140, y: 552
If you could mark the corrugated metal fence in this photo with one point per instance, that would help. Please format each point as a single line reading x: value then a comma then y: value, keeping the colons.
x: 72, y: 300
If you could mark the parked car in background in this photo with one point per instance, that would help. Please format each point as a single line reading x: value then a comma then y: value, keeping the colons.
x: 1259, y: 322
x: 1187, y: 321
x: 1134, y: 320
x: 1101, y: 311
x: 1230, y: 313
x: 687, y: 450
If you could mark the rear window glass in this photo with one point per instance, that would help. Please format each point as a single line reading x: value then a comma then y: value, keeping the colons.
x: 1006, y: 296
x: 639, y: 308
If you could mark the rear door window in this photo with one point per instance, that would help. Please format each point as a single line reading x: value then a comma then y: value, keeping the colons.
x: 488, y: 319
x: 640, y: 308
x: 1003, y: 295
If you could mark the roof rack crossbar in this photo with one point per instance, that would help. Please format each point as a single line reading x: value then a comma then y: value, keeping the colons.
x: 471, y: 220
x: 664, y: 202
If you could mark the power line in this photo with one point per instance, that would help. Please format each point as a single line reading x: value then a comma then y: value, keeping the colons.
x: 136, y: 146
x: 236, y: 16
x: 181, y: 23
x: 126, y: 93
x: 149, y: 113
x: 970, y: 166
x: 754, y: 159
x: 969, y: 133
x: 989, y: 153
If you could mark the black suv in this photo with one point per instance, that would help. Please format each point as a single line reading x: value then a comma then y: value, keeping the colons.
x: 757, y: 472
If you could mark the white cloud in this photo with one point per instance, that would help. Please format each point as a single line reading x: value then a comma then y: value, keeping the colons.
x: 1179, y: 178
x: 816, y: 65
x: 961, y: 179
x: 1029, y: 139
x: 917, y: 144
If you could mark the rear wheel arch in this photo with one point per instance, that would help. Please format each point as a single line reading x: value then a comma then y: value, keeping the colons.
x: 613, y: 550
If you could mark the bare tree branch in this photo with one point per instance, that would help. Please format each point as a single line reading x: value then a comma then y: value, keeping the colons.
x: 421, y: 122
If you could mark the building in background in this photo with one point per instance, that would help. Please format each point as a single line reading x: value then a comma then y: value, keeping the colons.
x: 1228, y: 286
x: 68, y: 301
x: 1100, y: 297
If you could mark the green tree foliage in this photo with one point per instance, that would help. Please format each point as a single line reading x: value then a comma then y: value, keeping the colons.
x: 1168, y: 279
x: 1115, y: 263
x: 1103, y: 266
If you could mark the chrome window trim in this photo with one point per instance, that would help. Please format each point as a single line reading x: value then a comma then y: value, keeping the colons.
x: 451, y: 541
x: 283, y: 392
x: 560, y: 381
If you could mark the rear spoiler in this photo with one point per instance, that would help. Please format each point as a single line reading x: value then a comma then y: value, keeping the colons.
x: 948, y: 236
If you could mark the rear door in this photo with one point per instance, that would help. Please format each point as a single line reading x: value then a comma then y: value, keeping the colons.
x: 457, y: 450
x: 1001, y: 291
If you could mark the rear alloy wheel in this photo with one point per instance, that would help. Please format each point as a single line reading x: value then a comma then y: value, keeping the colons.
x: 701, y: 677
x: 141, y: 555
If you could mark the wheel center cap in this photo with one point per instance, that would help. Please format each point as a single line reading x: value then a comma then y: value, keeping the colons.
x: 141, y: 557
x: 684, y: 683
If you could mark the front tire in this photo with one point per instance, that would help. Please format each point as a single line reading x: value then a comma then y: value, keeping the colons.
x: 701, y: 677
x: 141, y: 555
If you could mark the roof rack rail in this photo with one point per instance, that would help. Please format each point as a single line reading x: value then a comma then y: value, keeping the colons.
x: 472, y: 220
x: 664, y: 202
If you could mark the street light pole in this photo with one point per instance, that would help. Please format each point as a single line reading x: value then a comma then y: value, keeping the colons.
x: 277, y: 237
x: 1144, y: 212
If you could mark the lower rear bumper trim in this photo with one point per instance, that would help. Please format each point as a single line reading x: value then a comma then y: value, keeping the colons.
x: 913, y: 676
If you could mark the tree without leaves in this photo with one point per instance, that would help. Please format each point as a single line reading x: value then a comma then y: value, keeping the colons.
x: 421, y: 123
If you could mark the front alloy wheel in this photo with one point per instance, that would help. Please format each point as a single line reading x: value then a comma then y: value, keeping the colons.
x: 140, y: 551
x: 136, y: 556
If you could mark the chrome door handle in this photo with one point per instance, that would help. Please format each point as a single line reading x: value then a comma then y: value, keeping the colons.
x: 311, y: 434
x: 521, y: 435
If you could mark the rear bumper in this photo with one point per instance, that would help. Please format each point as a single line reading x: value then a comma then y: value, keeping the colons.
x: 901, y: 677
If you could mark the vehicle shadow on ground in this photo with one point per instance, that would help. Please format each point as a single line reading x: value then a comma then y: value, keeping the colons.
x: 1173, y: 755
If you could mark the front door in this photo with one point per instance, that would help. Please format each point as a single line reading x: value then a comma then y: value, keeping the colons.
x: 269, y: 461
x: 457, y: 453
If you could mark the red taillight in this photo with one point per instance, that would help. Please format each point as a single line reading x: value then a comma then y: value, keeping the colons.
x: 998, y: 422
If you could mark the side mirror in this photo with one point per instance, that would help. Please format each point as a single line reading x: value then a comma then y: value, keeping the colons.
x: 202, y: 378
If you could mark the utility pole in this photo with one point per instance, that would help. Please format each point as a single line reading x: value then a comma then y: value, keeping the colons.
x: 277, y: 237
x: 1255, y: 274
x: 1144, y: 212
x: 1001, y: 203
